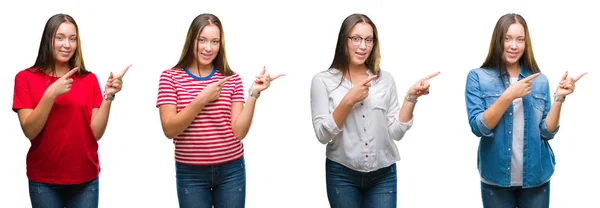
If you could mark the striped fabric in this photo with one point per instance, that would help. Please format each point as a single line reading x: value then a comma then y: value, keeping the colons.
x: 209, y: 139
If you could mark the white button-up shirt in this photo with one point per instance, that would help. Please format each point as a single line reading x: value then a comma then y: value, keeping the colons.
x: 366, y: 140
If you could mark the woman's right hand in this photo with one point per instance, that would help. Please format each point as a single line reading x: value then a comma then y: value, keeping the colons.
x: 63, y: 84
x: 360, y: 91
x: 212, y: 91
x: 521, y: 88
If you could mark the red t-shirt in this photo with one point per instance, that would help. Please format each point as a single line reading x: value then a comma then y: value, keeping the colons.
x: 209, y: 139
x: 65, y: 151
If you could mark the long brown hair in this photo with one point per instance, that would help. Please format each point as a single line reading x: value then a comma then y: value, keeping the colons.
x: 188, y: 55
x: 341, y: 59
x: 495, y: 58
x: 45, y: 61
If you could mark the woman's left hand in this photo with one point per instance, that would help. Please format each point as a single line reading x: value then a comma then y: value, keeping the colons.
x: 263, y: 81
x: 421, y: 87
x: 115, y: 83
x: 566, y: 86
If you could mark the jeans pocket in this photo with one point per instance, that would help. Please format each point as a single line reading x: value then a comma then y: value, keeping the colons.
x: 40, y: 188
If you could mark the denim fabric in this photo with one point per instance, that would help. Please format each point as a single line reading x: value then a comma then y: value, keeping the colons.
x: 45, y: 195
x: 347, y: 188
x: 223, y: 186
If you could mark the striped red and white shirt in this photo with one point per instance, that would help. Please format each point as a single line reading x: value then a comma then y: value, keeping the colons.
x: 209, y: 140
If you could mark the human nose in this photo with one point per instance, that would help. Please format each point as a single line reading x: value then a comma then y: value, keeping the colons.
x: 362, y: 44
x: 513, y: 44
x: 66, y: 44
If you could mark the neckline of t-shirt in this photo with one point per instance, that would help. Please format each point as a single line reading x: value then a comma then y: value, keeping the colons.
x: 212, y: 73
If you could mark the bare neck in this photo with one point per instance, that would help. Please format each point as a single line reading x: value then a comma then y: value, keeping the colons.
x: 513, y: 69
x: 61, y: 69
x: 357, y: 69
x: 200, y: 70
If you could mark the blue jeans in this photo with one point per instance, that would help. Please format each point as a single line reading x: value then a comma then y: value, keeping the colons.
x: 221, y: 185
x: 45, y: 195
x: 348, y: 188
x: 511, y: 197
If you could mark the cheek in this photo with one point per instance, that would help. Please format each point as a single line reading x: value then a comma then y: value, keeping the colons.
x: 522, y: 47
x: 74, y: 46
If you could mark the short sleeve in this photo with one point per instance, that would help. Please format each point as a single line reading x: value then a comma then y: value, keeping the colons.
x: 238, y: 85
x: 166, y: 90
x: 96, y: 92
x: 22, y: 95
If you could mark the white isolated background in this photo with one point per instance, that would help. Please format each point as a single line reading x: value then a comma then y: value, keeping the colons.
x: 285, y: 162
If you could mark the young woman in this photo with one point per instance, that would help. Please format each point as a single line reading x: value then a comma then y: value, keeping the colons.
x: 510, y: 108
x: 63, y: 113
x: 356, y: 112
x: 201, y: 103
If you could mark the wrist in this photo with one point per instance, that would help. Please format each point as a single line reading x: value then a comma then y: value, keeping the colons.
x: 50, y: 95
x: 411, y: 98
x: 254, y: 93
x: 108, y: 96
x: 559, y: 98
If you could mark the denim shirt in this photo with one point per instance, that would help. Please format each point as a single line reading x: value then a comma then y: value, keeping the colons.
x: 483, y: 88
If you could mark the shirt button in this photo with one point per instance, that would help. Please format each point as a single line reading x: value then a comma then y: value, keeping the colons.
x: 366, y: 155
x: 365, y: 129
x: 509, y: 149
x: 510, y: 114
x: 363, y: 116
x: 366, y: 144
x: 362, y: 104
x: 509, y: 168
x: 509, y: 132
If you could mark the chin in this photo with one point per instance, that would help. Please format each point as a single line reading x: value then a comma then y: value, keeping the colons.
x: 358, y: 62
x: 62, y: 61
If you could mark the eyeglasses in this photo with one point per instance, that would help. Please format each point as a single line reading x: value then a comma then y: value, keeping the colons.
x: 356, y: 40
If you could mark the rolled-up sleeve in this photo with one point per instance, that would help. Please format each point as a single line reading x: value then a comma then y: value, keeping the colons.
x: 545, y: 133
x: 325, y: 127
x: 476, y: 106
x: 396, y: 128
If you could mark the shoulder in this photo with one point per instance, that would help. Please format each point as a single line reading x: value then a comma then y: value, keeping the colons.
x: 483, y: 73
x: 234, y: 77
x: 483, y: 70
x: 28, y: 72
x: 172, y: 71
x: 89, y: 75
x: 329, y: 74
x: 541, y: 79
x: 385, y: 76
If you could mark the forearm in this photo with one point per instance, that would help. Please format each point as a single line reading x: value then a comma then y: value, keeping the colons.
x: 553, y: 117
x: 241, y: 125
x: 180, y: 121
x: 36, y: 120
x: 100, y: 119
x: 340, y: 113
x: 406, y: 111
x: 492, y: 115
